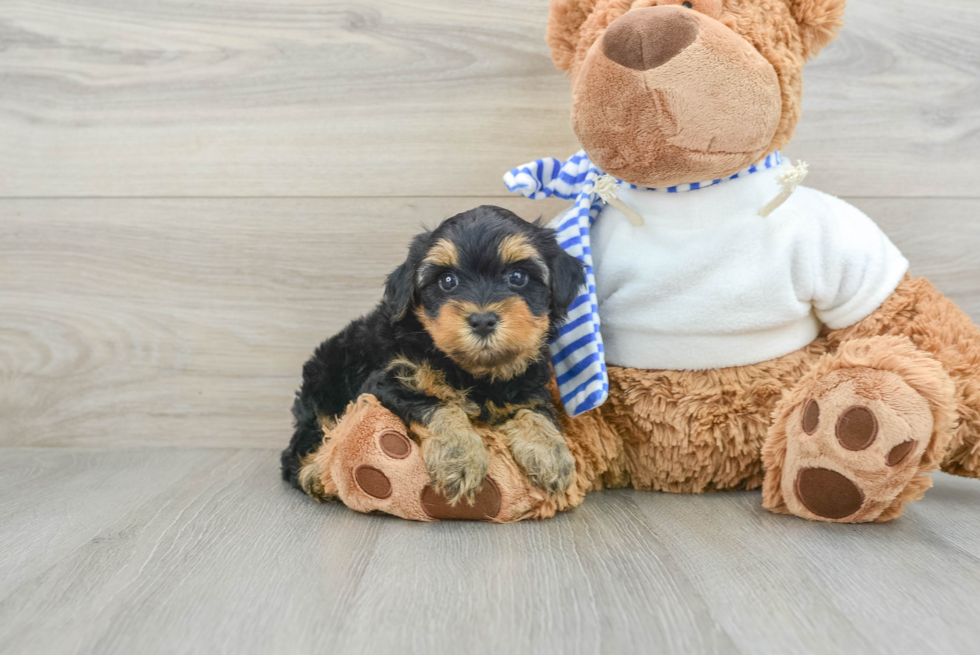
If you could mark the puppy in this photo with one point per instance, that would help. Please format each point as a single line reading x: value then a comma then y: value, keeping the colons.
x: 459, y: 337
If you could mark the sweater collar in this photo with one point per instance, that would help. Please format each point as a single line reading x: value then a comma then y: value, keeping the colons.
x: 544, y: 178
x: 771, y: 161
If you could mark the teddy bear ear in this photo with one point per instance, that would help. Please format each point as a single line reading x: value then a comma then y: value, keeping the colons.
x: 564, y: 27
x: 819, y: 21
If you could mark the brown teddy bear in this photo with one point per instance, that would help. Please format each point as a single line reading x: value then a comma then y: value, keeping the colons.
x: 754, y: 333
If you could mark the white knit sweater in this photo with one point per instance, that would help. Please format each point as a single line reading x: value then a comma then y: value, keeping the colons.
x: 708, y: 283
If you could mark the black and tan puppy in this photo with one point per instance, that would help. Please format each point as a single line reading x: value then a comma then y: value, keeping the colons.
x: 460, y: 337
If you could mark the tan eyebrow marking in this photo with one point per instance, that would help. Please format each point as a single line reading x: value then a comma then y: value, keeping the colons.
x: 443, y: 253
x: 517, y: 248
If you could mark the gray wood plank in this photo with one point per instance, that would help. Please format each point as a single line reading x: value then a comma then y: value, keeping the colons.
x: 907, y: 586
x: 225, y: 558
x: 130, y: 319
x: 940, y: 240
x: 891, y: 108
x: 186, y: 322
x: 418, y: 97
x: 309, y: 98
x: 55, y: 501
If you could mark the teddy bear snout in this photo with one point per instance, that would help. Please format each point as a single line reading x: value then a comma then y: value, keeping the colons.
x: 644, y: 39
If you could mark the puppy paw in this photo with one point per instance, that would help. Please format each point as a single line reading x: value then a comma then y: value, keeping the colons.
x: 457, y: 463
x: 454, y: 454
x: 540, y: 450
x: 548, y: 467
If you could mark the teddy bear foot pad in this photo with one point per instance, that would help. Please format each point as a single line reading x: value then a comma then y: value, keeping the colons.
x: 854, y: 446
x: 370, y: 464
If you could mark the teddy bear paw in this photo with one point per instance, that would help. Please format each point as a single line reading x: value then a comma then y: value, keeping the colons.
x: 375, y: 467
x: 853, y: 448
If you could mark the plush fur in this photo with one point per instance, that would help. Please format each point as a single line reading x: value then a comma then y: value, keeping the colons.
x: 460, y: 337
x: 853, y: 422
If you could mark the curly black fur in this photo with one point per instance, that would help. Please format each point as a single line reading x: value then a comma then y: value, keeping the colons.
x: 359, y: 359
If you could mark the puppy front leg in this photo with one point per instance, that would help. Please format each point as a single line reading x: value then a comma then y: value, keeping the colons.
x: 540, y: 449
x: 454, y: 454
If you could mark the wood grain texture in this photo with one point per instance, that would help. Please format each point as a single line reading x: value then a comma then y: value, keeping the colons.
x: 417, y: 98
x: 186, y: 322
x: 212, y: 553
x: 155, y: 342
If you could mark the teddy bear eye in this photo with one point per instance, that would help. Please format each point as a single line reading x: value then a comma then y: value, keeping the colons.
x: 689, y: 5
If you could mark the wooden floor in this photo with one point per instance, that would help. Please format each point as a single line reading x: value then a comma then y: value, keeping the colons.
x: 205, y: 551
x: 193, y: 194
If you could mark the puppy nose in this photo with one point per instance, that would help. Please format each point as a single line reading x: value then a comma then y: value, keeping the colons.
x: 643, y: 39
x: 483, y: 324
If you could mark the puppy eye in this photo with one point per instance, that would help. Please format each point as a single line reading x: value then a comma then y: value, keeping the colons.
x: 448, y: 282
x: 517, y: 279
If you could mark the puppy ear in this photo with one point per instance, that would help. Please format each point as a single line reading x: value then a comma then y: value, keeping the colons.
x: 567, y: 280
x: 819, y: 21
x: 400, y: 291
x: 401, y: 285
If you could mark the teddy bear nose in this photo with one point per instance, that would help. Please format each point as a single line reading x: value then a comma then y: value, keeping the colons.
x: 643, y: 39
x: 483, y: 323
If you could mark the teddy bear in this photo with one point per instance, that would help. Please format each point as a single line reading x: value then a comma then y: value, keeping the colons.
x: 737, y: 330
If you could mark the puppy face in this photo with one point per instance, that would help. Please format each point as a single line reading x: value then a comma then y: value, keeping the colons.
x: 489, y: 288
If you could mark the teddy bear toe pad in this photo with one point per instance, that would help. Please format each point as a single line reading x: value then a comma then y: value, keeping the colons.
x: 485, y: 507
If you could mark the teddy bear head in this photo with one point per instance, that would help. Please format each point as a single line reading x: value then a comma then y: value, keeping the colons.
x: 670, y: 92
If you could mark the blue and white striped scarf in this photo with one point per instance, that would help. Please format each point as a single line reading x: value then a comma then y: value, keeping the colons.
x: 577, y: 352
